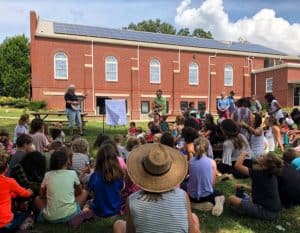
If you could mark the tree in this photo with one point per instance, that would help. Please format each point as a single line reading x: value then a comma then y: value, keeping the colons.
x: 153, y: 26
x: 15, y: 66
x: 200, y: 33
x: 184, y: 32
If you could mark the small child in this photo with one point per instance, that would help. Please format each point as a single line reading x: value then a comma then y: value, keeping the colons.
x: 80, y: 148
x: 292, y: 157
x: 9, y: 189
x: 6, y: 143
x: 164, y: 126
x: 22, y: 127
x: 106, y: 184
x: 265, y: 202
x: 57, y: 197
x: 284, y: 129
x: 57, y: 133
x: 132, y: 131
x: 118, y: 138
x: 40, y: 140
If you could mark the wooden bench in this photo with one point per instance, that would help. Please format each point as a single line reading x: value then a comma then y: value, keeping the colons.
x: 64, y: 122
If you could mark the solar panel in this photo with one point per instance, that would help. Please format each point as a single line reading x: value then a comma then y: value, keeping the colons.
x: 72, y: 29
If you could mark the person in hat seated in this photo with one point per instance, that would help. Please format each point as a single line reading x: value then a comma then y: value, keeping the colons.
x: 159, y: 206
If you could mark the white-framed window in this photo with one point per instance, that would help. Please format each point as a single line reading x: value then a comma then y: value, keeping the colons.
x: 228, y: 75
x: 269, y: 85
x: 60, y: 66
x: 154, y: 71
x: 193, y: 74
x: 111, y: 69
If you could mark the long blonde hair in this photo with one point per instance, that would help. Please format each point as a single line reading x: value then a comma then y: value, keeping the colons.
x: 201, y: 146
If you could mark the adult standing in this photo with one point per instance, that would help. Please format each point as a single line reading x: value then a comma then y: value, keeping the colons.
x: 159, y: 104
x: 73, y: 109
x: 231, y: 102
x: 223, y: 106
x: 274, y: 106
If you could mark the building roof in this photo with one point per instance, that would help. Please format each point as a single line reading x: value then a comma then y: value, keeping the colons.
x: 73, y: 29
x: 277, y: 67
x: 49, y: 29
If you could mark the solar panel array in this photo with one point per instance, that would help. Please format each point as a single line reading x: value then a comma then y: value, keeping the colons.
x: 72, y: 29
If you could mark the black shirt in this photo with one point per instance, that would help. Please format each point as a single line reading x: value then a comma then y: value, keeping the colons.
x: 265, y: 189
x: 289, y: 186
x: 69, y: 97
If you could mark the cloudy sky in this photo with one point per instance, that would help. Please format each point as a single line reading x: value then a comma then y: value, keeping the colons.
x: 273, y: 23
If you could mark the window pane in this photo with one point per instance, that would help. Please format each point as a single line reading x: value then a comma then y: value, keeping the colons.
x: 193, y: 73
x: 145, y: 107
x: 61, y: 65
x: 111, y: 69
x: 269, y: 85
x: 228, y: 75
x: 154, y: 71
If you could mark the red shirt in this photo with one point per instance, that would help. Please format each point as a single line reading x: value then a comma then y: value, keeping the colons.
x: 9, y: 189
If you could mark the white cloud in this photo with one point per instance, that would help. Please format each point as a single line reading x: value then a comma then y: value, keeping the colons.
x: 263, y: 28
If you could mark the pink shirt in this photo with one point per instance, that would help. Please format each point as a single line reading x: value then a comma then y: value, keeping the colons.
x: 122, y: 163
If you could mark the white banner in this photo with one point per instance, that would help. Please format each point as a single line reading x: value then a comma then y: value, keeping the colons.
x: 115, y: 112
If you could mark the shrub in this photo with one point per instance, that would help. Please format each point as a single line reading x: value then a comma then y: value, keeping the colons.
x: 7, y: 101
x: 21, y: 103
x: 36, y: 105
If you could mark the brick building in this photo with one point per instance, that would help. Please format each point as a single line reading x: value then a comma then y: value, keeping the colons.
x: 108, y: 63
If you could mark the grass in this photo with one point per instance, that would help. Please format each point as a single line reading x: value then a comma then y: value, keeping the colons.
x: 228, y: 222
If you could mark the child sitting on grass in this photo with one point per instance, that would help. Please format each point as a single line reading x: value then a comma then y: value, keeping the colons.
x: 22, y: 127
x: 9, y: 189
x: 105, y: 185
x: 80, y: 148
x: 264, y: 203
x: 57, y: 201
x: 132, y: 131
x: 7, y: 145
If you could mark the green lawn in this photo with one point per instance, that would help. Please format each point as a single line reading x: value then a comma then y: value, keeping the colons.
x: 229, y: 222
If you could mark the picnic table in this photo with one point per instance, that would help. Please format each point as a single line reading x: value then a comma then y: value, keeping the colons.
x: 44, y: 117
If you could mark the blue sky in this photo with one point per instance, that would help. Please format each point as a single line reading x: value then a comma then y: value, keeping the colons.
x: 14, y: 17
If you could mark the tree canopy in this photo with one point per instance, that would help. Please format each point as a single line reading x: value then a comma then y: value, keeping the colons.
x: 15, y: 66
x: 166, y: 28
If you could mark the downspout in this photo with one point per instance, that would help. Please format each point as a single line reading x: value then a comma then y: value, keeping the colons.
x: 209, y: 81
x: 93, y: 78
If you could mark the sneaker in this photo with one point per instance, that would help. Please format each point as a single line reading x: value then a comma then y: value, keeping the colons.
x: 217, y: 210
x: 27, y: 224
x: 80, y: 218
x: 203, y: 206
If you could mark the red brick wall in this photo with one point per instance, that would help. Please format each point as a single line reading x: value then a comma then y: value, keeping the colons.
x: 136, y: 83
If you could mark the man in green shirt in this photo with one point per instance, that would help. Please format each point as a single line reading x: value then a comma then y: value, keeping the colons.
x: 159, y: 104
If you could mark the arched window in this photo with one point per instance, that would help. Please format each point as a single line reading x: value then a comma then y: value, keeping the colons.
x: 60, y: 66
x: 228, y: 75
x: 193, y: 74
x: 154, y: 71
x: 111, y: 69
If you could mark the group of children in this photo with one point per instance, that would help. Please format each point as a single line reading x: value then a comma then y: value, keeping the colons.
x: 144, y: 179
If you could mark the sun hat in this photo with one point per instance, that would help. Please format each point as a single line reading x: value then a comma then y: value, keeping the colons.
x: 156, y: 168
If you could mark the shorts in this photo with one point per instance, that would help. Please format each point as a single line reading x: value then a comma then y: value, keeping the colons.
x: 257, y: 211
x: 66, y: 219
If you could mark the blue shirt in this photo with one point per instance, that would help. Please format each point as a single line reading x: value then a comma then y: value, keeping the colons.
x: 200, y: 183
x: 223, y: 103
x: 107, y: 198
x: 296, y: 163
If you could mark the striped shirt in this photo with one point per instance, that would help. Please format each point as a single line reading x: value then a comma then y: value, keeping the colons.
x: 167, y: 215
x: 79, y: 161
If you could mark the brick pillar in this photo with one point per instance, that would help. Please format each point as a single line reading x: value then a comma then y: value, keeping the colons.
x: 135, y: 98
x: 175, y: 97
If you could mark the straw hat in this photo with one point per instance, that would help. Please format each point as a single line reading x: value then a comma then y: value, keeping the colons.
x: 156, y: 168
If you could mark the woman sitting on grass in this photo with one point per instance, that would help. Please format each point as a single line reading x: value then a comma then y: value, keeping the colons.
x: 57, y: 201
x: 233, y: 146
x: 264, y: 203
x: 160, y: 206
x: 202, y: 178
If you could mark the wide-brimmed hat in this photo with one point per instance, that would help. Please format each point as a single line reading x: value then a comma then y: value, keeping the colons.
x: 156, y: 168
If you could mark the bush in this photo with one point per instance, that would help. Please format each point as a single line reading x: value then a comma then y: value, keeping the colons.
x: 22, y: 103
x: 36, y: 105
